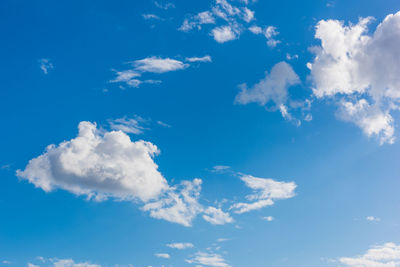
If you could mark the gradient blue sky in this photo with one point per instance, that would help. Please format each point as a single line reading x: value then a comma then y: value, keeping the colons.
x: 60, y: 61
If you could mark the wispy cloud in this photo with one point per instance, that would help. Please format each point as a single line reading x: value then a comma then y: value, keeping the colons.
x: 45, y: 65
x: 180, y: 246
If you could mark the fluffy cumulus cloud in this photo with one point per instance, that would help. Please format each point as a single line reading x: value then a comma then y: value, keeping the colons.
x: 265, y: 192
x: 98, y: 165
x: 361, y: 70
x: 208, y: 259
x: 180, y: 246
x: 386, y: 255
x: 273, y: 92
x: 230, y: 20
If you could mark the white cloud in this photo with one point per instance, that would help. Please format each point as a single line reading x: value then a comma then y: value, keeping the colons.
x: 273, y: 89
x: 151, y: 16
x: 179, y: 205
x: 217, y: 216
x: 98, y: 165
x: 127, y: 76
x: 224, y: 34
x: 208, y: 259
x: 63, y: 263
x: 196, y: 21
x: 265, y: 191
x: 166, y: 5
x: 270, y: 33
x: 45, y: 65
x: 268, y: 218
x: 162, y: 255
x: 373, y: 219
x: 180, y: 246
x: 386, y: 255
x: 199, y: 59
x: 256, y: 29
x: 231, y: 16
x: 128, y: 125
x: 158, y: 65
x: 361, y: 69
x: 163, y: 124
x: 220, y: 168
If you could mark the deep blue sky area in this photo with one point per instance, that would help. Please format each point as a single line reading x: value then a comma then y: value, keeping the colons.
x: 60, y: 65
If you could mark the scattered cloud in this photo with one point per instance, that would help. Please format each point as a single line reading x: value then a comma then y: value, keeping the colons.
x: 361, y: 71
x: 268, y: 218
x: 151, y: 17
x: 179, y: 205
x: 269, y: 32
x: 164, y: 5
x: 206, y: 58
x: 162, y: 255
x: 265, y: 191
x: 45, y: 65
x: 216, y: 216
x: 224, y: 34
x: 163, y: 124
x: 128, y: 125
x: 220, y: 168
x: 180, y: 246
x: 373, y: 219
x: 272, y: 92
x: 386, y: 255
x: 208, y: 259
x: 154, y: 65
x: 232, y: 18
x: 54, y: 262
x: 291, y: 57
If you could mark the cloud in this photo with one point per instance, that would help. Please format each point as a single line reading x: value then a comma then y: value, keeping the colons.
x: 224, y: 34
x: 360, y: 69
x: 45, y: 65
x: 232, y: 18
x: 98, y: 165
x: 217, y: 216
x: 63, y: 263
x: 165, y: 6
x: 373, y: 219
x: 155, y: 65
x: 273, y: 90
x: 269, y: 32
x: 268, y: 218
x: 151, y: 16
x: 180, y: 246
x: 158, y: 65
x: 220, y: 169
x: 386, y: 255
x: 199, y: 59
x: 163, y: 124
x: 208, y: 259
x: 265, y: 191
x: 128, y: 125
x: 196, y: 21
x: 162, y: 255
x: 179, y: 205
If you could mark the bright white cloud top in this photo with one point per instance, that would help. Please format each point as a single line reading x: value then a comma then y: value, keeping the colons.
x: 362, y: 70
x: 208, y: 259
x: 98, y: 165
x: 386, y: 255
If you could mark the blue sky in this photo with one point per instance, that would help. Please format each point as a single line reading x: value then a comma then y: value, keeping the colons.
x: 200, y: 133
